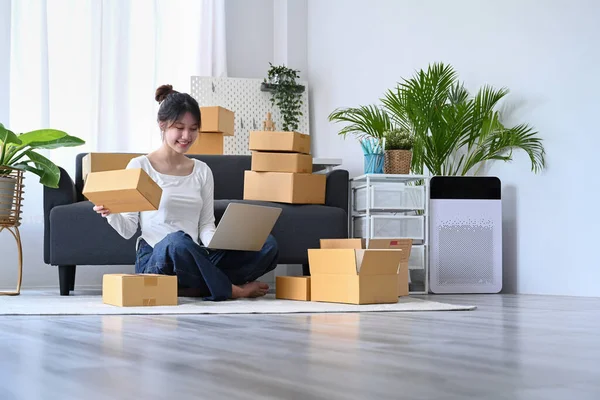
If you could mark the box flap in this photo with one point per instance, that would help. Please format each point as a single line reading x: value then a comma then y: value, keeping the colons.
x: 379, y: 262
x: 332, y: 261
x: 342, y: 243
x: 402, y: 244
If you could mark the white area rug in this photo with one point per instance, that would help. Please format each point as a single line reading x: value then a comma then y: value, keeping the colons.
x: 45, y: 303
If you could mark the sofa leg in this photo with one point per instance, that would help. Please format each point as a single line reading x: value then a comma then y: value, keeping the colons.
x: 66, y: 279
x: 305, y: 270
x: 72, y: 277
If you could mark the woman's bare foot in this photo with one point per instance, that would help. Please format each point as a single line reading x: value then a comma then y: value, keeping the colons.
x: 250, y: 289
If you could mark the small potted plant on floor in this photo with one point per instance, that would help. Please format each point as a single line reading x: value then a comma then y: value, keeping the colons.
x: 398, y: 154
x: 286, y: 94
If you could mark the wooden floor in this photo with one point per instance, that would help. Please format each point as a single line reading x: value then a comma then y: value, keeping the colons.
x: 511, y: 347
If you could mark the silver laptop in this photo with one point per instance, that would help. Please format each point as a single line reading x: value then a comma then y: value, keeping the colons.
x: 244, y: 227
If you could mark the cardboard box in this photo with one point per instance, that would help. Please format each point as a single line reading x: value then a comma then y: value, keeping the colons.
x: 131, y: 290
x: 207, y: 143
x: 354, y: 276
x: 293, y: 142
x: 281, y: 162
x: 284, y: 187
x: 126, y: 190
x: 98, y: 162
x: 217, y: 119
x: 292, y: 287
x: 400, y: 244
x: 404, y: 245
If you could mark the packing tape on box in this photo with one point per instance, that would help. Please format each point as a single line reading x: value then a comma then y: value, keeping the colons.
x: 149, y: 302
x: 150, y: 281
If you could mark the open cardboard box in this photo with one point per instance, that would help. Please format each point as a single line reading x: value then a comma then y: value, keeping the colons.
x: 405, y: 245
x: 131, y: 290
x: 343, y: 272
x: 126, y: 190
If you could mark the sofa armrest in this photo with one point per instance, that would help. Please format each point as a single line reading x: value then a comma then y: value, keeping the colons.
x: 337, y: 186
x: 64, y: 194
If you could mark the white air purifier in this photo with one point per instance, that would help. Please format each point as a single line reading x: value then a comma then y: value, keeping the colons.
x: 465, y: 254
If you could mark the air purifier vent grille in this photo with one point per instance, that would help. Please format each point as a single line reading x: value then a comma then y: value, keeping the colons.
x: 466, y: 253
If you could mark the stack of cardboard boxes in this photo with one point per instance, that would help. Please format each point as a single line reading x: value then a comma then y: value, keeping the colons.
x: 343, y: 271
x: 217, y: 122
x: 281, y: 169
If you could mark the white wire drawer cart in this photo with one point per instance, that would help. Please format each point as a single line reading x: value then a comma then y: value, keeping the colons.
x: 387, y: 206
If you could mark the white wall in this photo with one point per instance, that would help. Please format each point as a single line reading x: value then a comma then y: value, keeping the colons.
x: 546, y: 52
x: 249, y: 34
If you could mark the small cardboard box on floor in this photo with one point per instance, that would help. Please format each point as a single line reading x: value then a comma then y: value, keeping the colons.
x: 126, y: 190
x: 134, y: 290
x: 343, y: 271
x: 292, y: 287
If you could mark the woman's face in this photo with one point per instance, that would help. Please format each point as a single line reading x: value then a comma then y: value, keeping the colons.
x: 182, y: 133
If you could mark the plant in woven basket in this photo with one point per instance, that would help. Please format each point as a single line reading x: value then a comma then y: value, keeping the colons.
x: 286, y: 94
x: 398, y: 154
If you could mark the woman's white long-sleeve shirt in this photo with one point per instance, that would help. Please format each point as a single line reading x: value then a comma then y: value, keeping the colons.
x: 187, y: 204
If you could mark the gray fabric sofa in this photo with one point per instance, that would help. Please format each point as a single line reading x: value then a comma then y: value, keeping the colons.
x: 75, y: 235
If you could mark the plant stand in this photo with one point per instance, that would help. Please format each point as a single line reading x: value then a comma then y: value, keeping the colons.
x: 11, y: 197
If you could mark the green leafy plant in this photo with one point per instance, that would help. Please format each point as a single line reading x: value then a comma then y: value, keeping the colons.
x: 454, y: 133
x: 398, y: 139
x: 17, y: 152
x: 286, y: 94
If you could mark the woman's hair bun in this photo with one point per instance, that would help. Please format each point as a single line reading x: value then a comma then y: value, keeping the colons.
x: 163, y: 91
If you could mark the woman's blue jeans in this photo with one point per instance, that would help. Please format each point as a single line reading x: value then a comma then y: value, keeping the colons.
x: 210, y: 272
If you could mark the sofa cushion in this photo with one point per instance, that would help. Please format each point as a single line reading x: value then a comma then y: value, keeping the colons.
x: 299, y: 227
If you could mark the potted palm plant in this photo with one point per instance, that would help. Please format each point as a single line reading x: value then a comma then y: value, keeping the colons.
x: 456, y: 133
x: 18, y: 155
x: 398, y: 154
x: 453, y: 132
